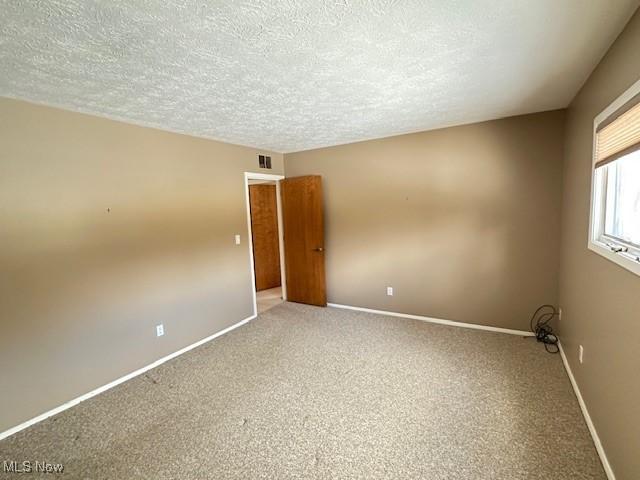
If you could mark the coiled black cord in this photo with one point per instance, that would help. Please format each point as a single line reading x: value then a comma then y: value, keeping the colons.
x: 539, y: 325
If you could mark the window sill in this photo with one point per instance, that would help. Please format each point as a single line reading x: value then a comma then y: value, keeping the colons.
x: 623, y: 259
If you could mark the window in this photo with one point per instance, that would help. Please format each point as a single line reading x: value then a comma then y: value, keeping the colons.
x: 615, y: 215
x: 622, y: 216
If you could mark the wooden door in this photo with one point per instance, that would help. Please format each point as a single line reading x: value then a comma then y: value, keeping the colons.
x: 264, y: 231
x: 303, y: 225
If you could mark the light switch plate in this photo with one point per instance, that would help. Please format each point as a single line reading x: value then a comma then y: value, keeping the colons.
x: 580, y: 353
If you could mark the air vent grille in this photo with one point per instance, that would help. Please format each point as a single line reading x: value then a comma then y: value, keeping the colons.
x: 264, y: 161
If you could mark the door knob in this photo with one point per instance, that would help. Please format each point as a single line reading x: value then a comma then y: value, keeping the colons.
x: 319, y: 249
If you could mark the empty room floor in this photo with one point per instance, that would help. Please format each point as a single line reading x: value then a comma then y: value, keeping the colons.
x: 304, y: 392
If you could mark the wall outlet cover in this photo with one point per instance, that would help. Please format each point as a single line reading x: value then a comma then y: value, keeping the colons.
x: 159, y: 330
x: 390, y: 291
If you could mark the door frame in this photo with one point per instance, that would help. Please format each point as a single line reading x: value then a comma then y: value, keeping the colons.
x: 283, y: 278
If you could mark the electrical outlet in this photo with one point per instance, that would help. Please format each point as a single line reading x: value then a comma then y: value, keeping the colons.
x: 390, y: 291
x: 159, y: 330
x: 559, y: 314
x: 580, y: 353
x: 237, y: 239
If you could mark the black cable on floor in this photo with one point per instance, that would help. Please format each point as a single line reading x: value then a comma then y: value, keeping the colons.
x: 540, y: 326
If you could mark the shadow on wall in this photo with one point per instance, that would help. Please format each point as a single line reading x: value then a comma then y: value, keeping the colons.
x: 124, y: 253
x: 81, y: 294
x: 463, y: 222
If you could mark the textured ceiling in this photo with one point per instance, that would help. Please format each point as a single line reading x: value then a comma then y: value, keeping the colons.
x: 297, y: 74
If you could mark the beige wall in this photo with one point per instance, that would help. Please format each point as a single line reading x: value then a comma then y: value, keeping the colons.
x: 81, y: 288
x: 463, y: 222
x: 601, y: 300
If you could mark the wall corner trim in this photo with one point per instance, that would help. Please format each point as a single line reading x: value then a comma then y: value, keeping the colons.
x: 129, y: 376
x: 587, y: 418
x: 440, y: 321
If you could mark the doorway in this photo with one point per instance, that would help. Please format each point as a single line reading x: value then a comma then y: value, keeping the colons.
x: 265, y: 238
x: 264, y: 216
x: 285, y: 211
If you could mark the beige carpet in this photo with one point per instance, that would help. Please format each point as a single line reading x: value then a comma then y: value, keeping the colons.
x: 304, y: 392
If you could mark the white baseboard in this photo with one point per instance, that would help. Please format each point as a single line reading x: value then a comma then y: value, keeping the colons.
x: 587, y: 418
x: 450, y: 323
x: 120, y: 380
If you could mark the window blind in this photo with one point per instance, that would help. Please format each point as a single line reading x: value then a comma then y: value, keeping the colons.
x: 619, y: 135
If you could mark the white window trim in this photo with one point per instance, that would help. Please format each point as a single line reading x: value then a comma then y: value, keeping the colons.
x: 596, y: 241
